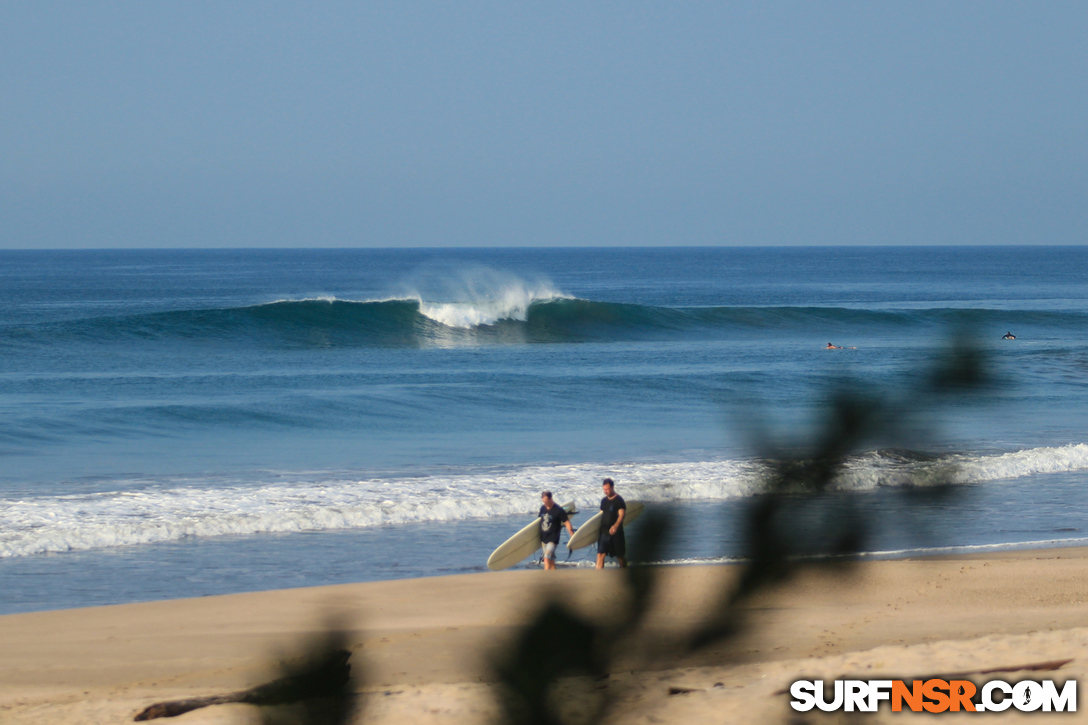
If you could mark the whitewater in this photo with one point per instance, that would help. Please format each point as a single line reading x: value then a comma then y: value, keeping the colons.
x: 124, y: 518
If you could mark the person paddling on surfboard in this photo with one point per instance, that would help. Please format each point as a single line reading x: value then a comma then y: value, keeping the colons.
x: 611, y: 541
x: 551, y: 516
x: 1008, y: 336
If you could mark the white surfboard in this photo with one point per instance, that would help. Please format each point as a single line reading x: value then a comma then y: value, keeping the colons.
x: 588, y: 532
x: 521, y: 544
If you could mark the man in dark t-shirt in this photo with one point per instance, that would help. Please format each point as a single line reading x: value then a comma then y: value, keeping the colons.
x: 611, y: 541
x: 552, y: 515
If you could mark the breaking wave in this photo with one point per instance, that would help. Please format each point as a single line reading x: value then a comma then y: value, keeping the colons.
x: 156, y: 512
x: 518, y: 314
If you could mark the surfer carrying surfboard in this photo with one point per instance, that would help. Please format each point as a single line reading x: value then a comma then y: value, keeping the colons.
x: 611, y: 541
x: 551, y: 516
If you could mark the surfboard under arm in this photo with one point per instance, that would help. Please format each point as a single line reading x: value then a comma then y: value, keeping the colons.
x: 521, y: 544
x: 588, y: 532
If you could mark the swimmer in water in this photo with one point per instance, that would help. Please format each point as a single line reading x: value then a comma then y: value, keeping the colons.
x: 1006, y: 336
x: 836, y: 347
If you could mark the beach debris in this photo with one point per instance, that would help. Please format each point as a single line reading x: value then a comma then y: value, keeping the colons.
x: 674, y: 690
x: 1048, y: 666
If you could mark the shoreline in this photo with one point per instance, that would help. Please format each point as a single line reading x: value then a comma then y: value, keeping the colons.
x: 428, y: 641
x: 931, y: 552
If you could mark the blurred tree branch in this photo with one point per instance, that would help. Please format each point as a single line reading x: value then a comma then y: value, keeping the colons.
x: 562, y: 646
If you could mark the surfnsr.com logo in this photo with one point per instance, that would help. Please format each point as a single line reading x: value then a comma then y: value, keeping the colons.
x: 934, y: 695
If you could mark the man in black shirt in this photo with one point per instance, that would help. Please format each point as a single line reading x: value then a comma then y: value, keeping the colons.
x: 551, y: 516
x: 611, y: 541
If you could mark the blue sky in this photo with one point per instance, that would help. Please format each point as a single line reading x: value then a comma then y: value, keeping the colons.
x: 263, y: 124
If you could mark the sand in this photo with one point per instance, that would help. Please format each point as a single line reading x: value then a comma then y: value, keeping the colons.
x: 425, y: 644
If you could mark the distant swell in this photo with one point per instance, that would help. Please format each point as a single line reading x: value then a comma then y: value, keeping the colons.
x: 524, y: 317
x: 162, y: 513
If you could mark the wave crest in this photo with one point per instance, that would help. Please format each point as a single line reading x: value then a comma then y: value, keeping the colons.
x: 475, y: 296
x: 508, y: 311
x: 512, y: 303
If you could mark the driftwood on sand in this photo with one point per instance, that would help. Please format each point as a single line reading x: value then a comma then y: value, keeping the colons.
x: 1048, y: 666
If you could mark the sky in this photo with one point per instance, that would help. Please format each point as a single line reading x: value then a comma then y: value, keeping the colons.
x: 369, y: 124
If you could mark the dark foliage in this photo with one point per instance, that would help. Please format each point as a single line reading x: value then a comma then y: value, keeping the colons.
x: 780, y: 541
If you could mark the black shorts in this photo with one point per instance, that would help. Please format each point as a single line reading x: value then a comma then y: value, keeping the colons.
x: 612, y: 545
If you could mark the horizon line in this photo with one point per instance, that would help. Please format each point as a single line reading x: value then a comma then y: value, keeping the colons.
x: 540, y: 247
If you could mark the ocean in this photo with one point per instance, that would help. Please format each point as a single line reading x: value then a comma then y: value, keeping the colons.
x: 181, y: 423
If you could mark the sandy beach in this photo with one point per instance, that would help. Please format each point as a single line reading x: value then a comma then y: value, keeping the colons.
x: 424, y: 644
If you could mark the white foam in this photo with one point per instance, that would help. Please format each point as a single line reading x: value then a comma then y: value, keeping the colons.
x: 320, y: 298
x: 465, y: 297
x: 183, y: 509
x: 469, y: 297
x: 509, y: 303
x: 1021, y: 463
x: 877, y: 469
